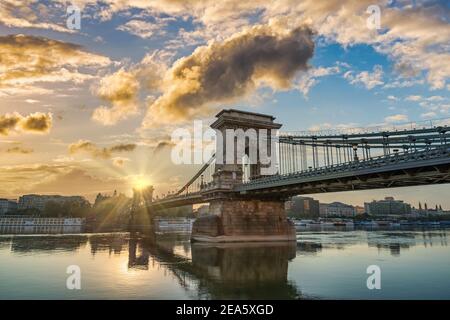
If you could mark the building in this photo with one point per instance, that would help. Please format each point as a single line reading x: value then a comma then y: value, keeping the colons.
x: 303, y: 207
x: 7, y: 205
x: 388, y: 206
x: 336, y: 209
x: 36, y: 201
x: 426, y: 211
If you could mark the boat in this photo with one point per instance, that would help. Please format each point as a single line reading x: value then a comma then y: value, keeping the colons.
x: 30, y: 221
x: 300, y: 224
x: 174, y: 224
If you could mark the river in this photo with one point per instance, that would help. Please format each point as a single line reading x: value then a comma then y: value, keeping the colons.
x: 332, y: 264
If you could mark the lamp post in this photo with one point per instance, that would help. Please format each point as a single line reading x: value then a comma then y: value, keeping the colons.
x: 355, y: 152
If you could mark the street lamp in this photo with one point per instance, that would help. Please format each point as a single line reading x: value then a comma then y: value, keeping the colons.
x: 355, y: 151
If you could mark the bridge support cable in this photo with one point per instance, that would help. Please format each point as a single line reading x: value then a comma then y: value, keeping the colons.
x: 198, y: 181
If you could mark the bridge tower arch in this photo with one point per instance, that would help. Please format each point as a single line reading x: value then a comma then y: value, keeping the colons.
x: 239, y: 134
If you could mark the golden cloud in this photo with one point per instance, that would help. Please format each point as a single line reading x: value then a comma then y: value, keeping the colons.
x: 27, y: 14
x: 223, y: 72
x: 33, y: 123
x: 19, y: 150
x: 26, y: 59
x: 121, y: 89
x: 98, y: 152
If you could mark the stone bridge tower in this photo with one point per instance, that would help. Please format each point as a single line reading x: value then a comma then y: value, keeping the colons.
x: 234, y: 217
x: 240, y: 134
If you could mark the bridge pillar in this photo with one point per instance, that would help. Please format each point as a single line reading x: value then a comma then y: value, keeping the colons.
x: 252, y: 135
x: 242, y: 220
x: 244, y: 134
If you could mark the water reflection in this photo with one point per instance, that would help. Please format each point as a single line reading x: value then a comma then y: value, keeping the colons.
x: 223, y: 271
x: 245, y: 271
x: 394, y: 242
x: 40, y: 229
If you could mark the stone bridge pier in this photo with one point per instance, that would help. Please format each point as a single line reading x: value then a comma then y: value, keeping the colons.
x: 233, y: 218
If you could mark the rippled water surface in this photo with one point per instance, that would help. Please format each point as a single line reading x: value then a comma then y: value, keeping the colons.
x: 321, y: 265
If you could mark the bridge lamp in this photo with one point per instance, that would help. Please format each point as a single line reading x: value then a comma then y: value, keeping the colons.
x: 355, y: 150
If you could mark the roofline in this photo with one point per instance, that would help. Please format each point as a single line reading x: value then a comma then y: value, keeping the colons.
x: 245, y: 112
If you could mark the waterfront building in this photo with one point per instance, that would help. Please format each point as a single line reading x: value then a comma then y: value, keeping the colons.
x: 388, y: 206
x: 303, y: 207
x: 428, y: 211
x: 7, y: 205
x: 36, y: 201
x: 336, y: 209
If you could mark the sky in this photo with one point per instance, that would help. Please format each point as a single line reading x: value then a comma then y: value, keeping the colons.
x: 91, y: 109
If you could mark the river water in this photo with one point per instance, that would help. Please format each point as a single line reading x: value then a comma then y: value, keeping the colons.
x: 332, y: 264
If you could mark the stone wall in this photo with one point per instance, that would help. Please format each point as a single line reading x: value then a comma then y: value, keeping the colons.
x: 238, y: 220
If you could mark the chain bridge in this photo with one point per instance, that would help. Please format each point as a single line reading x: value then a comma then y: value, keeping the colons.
x: 247, y: 196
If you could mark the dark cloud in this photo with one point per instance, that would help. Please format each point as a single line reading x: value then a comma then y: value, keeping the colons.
x: 33, y: 58
x: 105, y: 153
x: 38, y: 122
x: 222, y: 72
x: 162, y: 145
x: 8, y: 123
x: 126, y: 147
x: 19, y: 150
x: 34, y: 123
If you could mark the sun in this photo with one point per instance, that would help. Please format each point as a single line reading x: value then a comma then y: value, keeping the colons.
x: 141, y: 183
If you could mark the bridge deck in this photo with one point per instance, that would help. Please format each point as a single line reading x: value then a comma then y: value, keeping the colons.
x: 394, y: 170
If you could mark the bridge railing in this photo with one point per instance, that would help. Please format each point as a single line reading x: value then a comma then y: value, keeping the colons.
x: 436, y: 152
x: 406, y: 126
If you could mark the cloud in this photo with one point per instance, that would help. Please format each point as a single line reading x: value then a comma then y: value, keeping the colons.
x: 19, y: 150
x: 119, y: 161
x: 27, y: 14
x: 162, y: 145
x: 121, y: 88
x: 33, y: 123
x: 413, y: 98
x: 265, y: 55
x: 369, y: 80
x: 429, y: 115
x: 396, y: 118
x: 140, y: 28
x: 97, y: 152
x: 415, y: 35
x: 309, y: 79
x: 31, y: 101
x: 328, y: 126
x: 392, y: 98
x: 26, y: 60
x: 37, y: 122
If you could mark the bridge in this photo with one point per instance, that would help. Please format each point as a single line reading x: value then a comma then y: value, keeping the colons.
x: 250, y: 176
